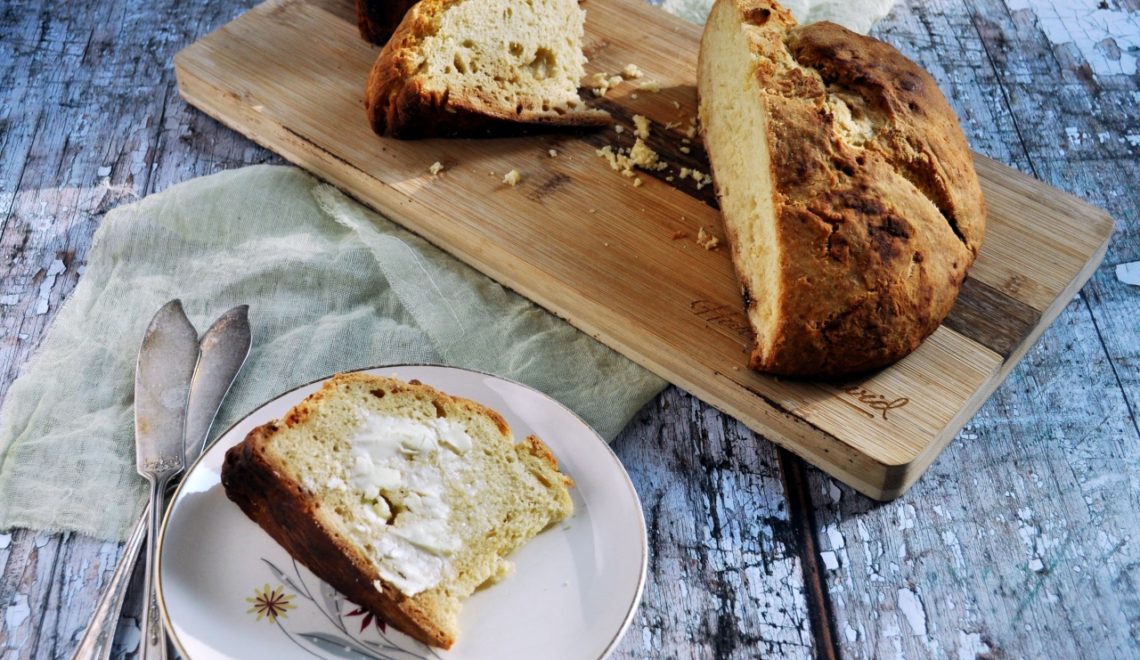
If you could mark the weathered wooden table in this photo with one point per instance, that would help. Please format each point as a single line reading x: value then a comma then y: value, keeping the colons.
x: 1022, y: 540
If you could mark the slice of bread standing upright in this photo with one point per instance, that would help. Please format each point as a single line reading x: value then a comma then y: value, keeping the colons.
x: 847, y: 189
x: 401, y: 497
x: 465, y: 67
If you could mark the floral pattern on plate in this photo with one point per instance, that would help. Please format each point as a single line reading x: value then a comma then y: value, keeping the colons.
x: 368, y: 643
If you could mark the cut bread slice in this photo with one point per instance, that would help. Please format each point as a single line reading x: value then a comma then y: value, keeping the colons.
x: 846, y: 186
x: 475, y: 66
x: 401, y: 497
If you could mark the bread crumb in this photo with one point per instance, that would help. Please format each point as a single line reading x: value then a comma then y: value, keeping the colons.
x: 614, y: 81
x: 685, y: 150
x: 636, y: 182
x: 685, y: 140
x: 642, y: 156
x: 633, y: 95
x: 669, y: 178
x: 436, y: 168
x: 684, y: 173
x: 512, y: 178
x: 650, y: 86
x: 707, y: 240
x: 679, y: 234
x: 619, y: 129
x: 676, y: 105
x: 553, y: 153
x: 642, y: 125
x: 632, y: 71
x: 692, y: 130
x: 702, y: 179
x: 593, y: 210
x: 600, y: 83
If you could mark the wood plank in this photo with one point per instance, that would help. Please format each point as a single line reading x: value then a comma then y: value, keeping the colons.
x: 726, y: 576
x: 1019, y: 542
x: 586, y: 244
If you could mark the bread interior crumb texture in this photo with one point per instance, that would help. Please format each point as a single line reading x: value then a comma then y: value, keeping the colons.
x: 525, y: 55
x: 444, y: 525
x: 733, y: 118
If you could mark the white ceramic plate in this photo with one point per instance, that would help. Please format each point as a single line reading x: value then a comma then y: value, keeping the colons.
x: 228, y: 590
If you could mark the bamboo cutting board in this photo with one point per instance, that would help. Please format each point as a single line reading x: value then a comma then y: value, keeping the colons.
x: 621, y: 262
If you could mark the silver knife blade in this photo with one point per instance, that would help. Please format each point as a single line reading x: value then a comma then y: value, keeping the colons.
x: 223, y: 350
x: 162, y: 385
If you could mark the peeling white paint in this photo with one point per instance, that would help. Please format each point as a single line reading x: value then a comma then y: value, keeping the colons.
x: 970, y: 646
x: 1036, y: 565
x: 830, y: 561
x: 1095, y: 31
x: 9, y: 299
x: 103, y: 171
x: 1129, y: 273
x: 53, y: 272
x: 17, y: 612
x: 911, y: 607
x: 834, y: 536
x: 5, y: 541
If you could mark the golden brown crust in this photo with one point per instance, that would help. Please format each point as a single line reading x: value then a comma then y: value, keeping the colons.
x: 377, y: 19
x: 293, y: 519
x: 874, y: 237
x: 400, y: 104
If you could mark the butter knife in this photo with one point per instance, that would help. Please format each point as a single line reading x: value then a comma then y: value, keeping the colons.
x: 223, y: 350
x: 162, y: 386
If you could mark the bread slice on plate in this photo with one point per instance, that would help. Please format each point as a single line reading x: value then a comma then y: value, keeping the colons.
x: 472, y: 66
x: 847, y: 189
x: 401, y: 497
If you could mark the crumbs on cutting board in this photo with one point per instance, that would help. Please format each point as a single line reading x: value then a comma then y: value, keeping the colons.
x: 643, y: 157
x: 601, y: 83
x: 553, y: 153
x: 512, y: 178
x: 436, y: 168
x: 707, y: 240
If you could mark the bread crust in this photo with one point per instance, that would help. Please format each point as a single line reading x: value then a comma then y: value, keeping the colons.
x: 296, y: 521
x: 400, y: 104
x: 874, y: 236
x: 377, y: 19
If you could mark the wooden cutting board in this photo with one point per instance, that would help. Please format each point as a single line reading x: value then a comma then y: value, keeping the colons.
x: 621, y: 262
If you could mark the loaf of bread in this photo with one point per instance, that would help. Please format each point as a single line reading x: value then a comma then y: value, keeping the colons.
x: 847, y: 189
x: 377, y: 19
x: 401, y: 497
x: 480, y: 66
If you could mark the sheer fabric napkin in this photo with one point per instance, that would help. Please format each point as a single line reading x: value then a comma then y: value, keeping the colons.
x: 331, y: 286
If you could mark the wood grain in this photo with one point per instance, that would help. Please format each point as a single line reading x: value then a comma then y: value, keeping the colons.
x: 591, y: 247
x: 1052, y: 453
x: 1020, y: 540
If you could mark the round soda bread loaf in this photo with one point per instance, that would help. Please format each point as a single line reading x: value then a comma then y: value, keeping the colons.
x: 846, y: 186
x: 401, y: 497
x: 480, y: 66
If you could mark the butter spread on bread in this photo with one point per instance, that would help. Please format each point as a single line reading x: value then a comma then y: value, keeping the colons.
x: 401, y: 497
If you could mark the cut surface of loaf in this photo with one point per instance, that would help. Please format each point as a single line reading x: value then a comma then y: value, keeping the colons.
x: 846, y: 186
x: 470, y: 66
x: 401, y: 497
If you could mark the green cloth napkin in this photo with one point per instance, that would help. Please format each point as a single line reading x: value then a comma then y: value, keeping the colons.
x: 331, y: 286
